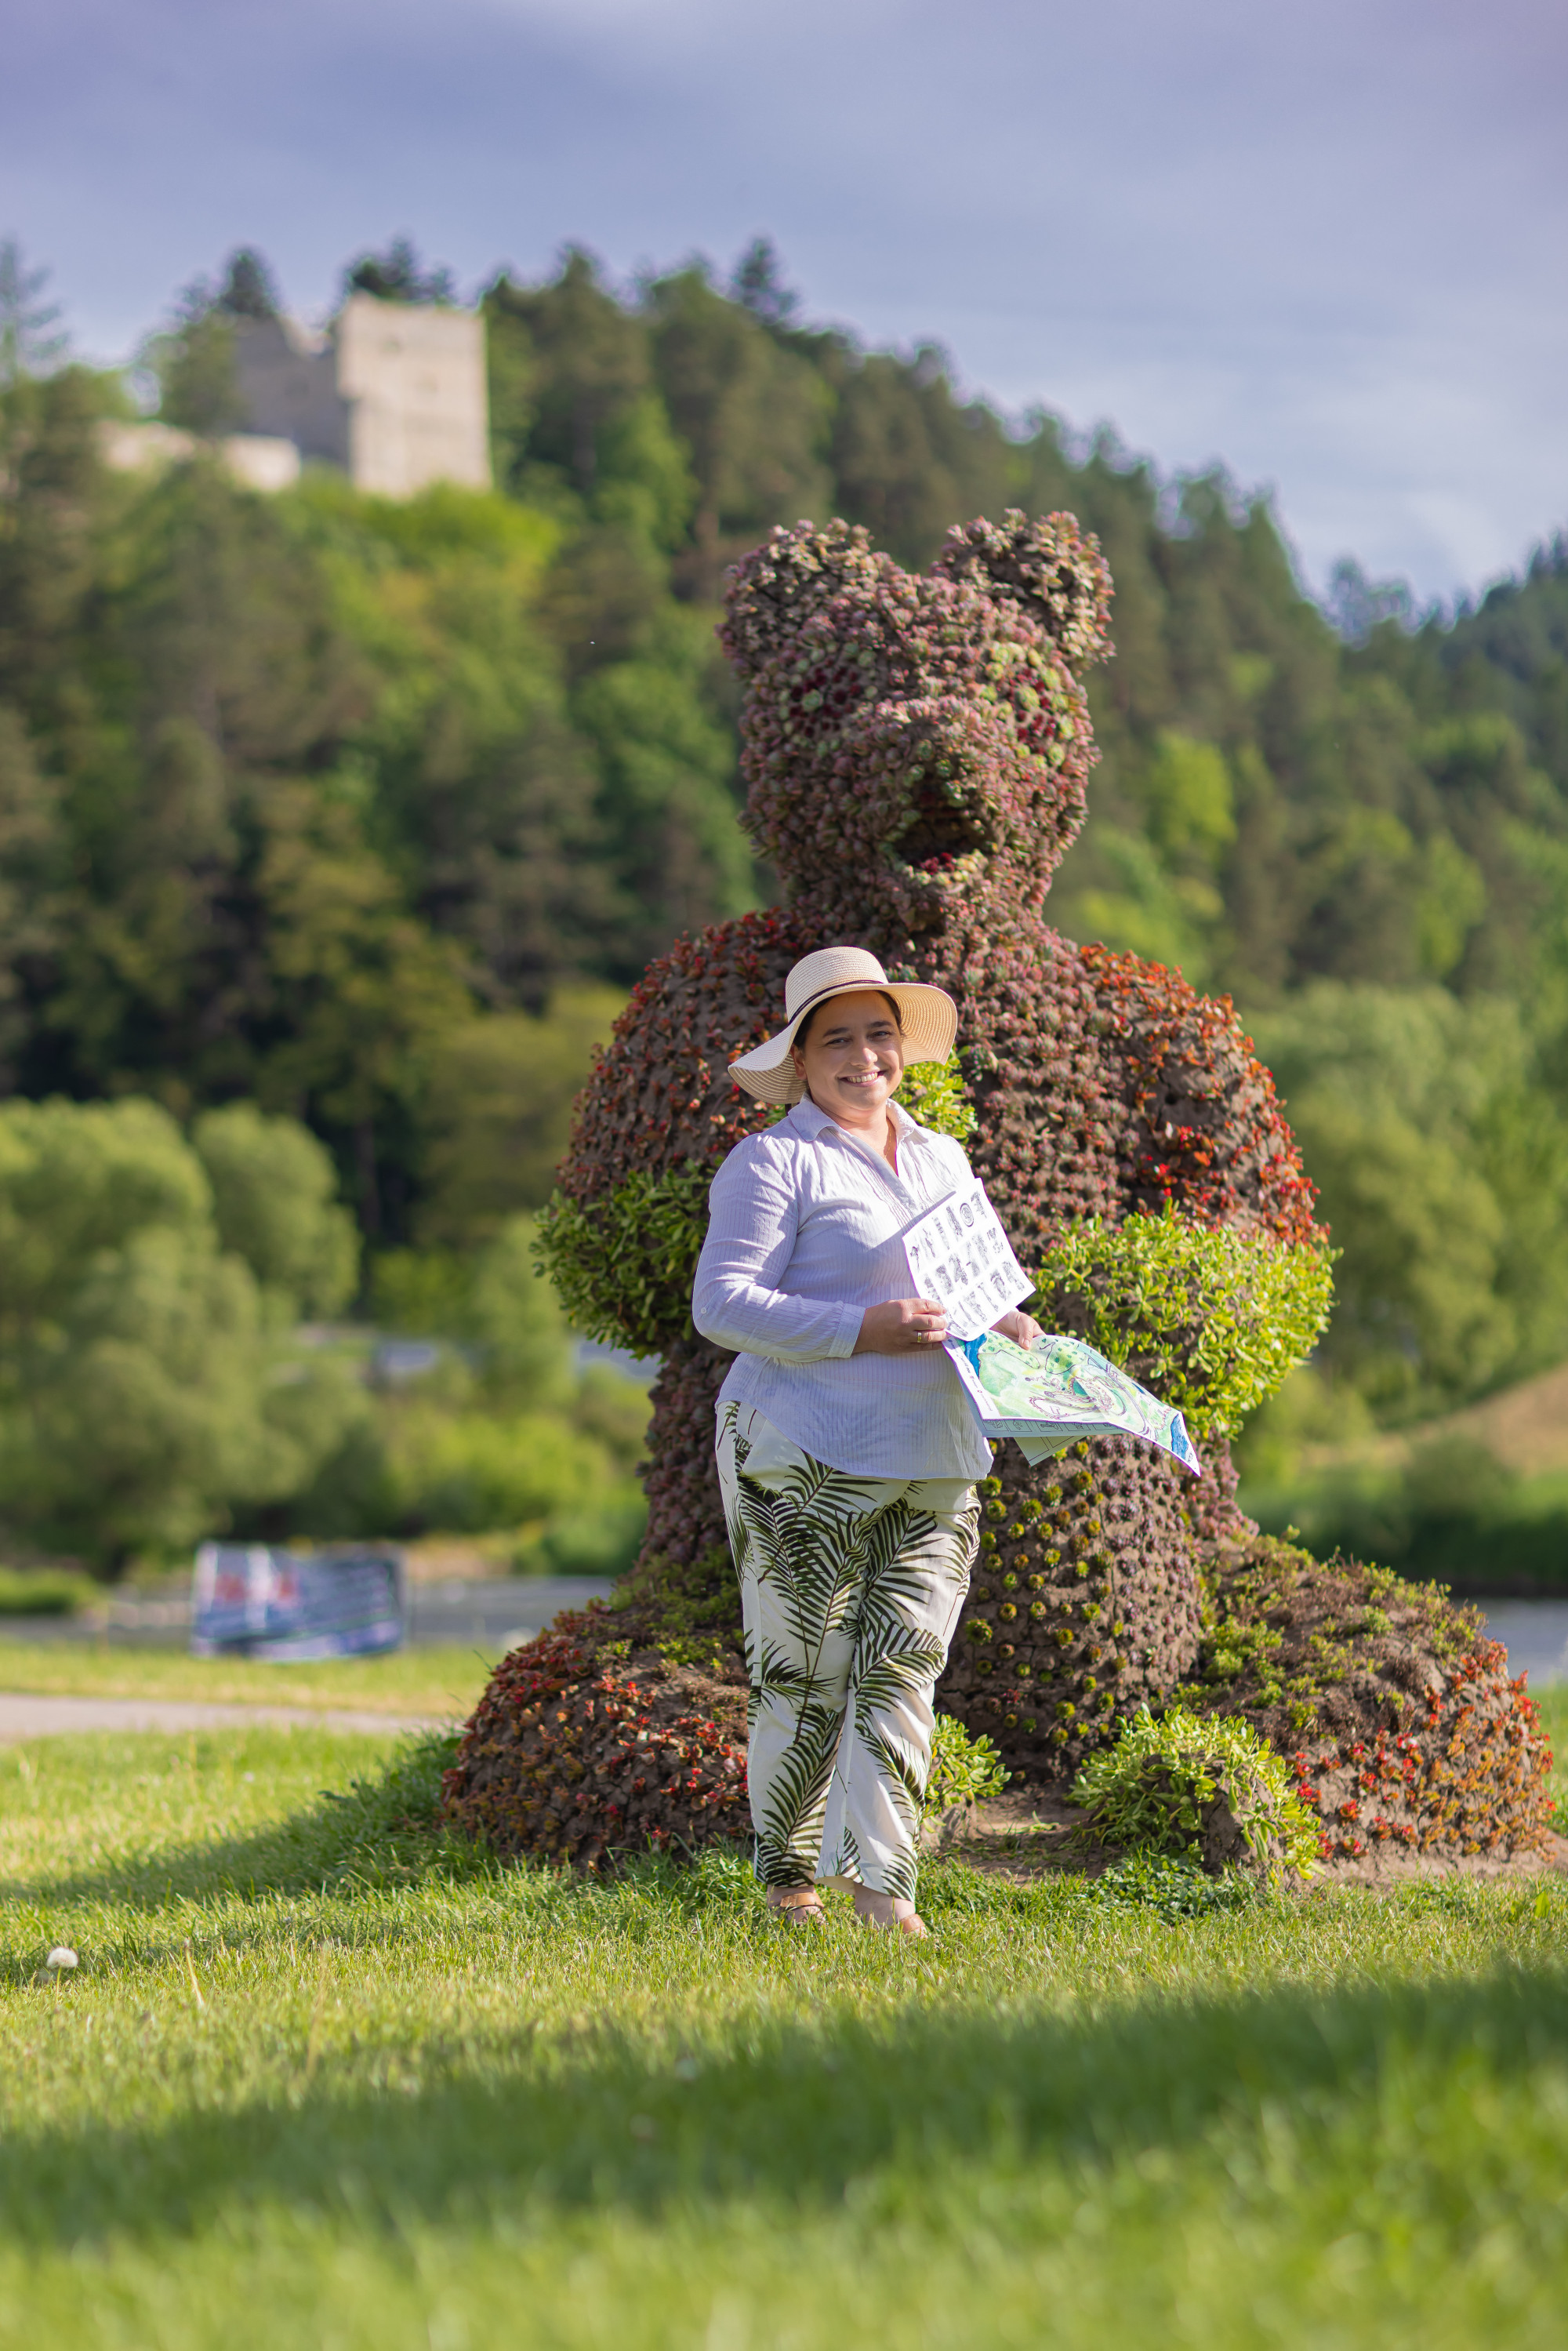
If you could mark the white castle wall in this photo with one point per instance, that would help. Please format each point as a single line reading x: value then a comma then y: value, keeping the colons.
x: 289, y: 383
x: 262, y: 462
x: 414, y: 381
x: 394, y: 393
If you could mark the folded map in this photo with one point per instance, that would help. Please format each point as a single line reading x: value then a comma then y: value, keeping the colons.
x: 1046, y: 1396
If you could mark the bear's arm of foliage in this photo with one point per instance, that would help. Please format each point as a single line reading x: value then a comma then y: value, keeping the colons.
x: 1211, y: 1320
x: 1201, y: 1124
x: 623, y: 1264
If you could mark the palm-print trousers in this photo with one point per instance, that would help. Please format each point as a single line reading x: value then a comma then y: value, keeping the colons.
x: 851, y: 1589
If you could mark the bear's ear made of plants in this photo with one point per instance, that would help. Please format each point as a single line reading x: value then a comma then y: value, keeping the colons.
x: 1052, y: 569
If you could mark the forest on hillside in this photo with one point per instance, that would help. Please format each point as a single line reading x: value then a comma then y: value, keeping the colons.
x: 368, y: 814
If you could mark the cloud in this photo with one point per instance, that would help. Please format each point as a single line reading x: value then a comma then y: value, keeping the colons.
x: 1323, y: 244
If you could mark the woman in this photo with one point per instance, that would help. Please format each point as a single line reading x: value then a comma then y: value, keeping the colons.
x: 847, y: 1454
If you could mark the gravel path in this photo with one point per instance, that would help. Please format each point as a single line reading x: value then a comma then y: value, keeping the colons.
x: 39, y: 1717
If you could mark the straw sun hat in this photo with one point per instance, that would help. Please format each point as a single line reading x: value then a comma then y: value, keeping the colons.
x: 929, y: 1016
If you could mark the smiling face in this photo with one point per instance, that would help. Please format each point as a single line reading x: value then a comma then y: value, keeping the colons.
x: 853, y: 1058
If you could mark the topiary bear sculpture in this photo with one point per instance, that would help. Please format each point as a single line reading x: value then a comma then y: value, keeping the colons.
x: 917, y: 751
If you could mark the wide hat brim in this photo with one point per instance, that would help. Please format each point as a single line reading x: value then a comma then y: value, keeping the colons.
x: 929, y: 1018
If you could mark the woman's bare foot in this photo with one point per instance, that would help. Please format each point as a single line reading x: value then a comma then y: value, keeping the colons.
x: 795, y: 1905
x: 889, y: 1911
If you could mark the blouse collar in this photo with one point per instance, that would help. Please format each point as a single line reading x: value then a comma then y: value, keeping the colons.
x: 807, y: 1118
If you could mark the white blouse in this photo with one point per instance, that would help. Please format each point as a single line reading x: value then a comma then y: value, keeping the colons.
x: 805, y: 1234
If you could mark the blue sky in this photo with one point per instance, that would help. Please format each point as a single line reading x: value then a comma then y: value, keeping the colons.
x: 1327, y: 246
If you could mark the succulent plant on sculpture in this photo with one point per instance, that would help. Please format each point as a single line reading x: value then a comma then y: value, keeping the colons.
x: 917, y: 749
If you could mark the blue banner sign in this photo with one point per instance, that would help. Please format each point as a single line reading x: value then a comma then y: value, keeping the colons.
x: 249, y: 1600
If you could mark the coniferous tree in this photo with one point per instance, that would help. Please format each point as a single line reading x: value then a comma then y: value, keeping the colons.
x: 398, y: 274
x: 32, y: 341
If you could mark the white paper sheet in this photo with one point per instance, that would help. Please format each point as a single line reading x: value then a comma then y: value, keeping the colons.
x: 959, y: 1255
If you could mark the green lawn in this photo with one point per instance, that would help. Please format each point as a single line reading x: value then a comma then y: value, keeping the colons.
x: 440, y: 1682
x: 319, y: 2080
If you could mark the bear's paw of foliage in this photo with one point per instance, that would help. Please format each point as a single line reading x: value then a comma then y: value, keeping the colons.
x: 1212, y: 1320
x: 580, y: 1754
x: 1405, y: 1734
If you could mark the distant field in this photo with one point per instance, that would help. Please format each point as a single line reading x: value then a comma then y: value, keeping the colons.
x: 1525, y: 1426
x: 437, y: 1682
x: 1477, y: 1500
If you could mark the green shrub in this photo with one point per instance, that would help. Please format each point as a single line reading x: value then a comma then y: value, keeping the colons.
x: 1154, y: 1790
x: 142, y: 1394
x: 421, y: 1293
x: 498, y: 1111
x: 469, y: 1474
x: 1212, y: 1321
x: 601, y: 1541
x: 616, y: 1410
x: 622, y: 1265
x: 490, y: 1302
x: 964, y: 1769
x: 274, y: 1195
x: 45, y: 1592
x: 524, y: 1349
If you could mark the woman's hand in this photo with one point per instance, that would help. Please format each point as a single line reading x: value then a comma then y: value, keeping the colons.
x: 1021, y: 1329
x: 902, y: 1326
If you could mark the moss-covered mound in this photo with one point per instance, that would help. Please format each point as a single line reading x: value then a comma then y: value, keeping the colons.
x: 622, y: 1729
x: 618, y: 1730
x: 1403, y: 1729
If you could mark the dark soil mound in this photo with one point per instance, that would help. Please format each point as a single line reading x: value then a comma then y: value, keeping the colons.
x: 1396, y: 1712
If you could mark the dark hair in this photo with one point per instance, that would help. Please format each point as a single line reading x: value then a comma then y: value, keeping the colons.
x: 804, y: 1031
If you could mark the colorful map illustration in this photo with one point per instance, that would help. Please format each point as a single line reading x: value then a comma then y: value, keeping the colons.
x: 1046, y: 1396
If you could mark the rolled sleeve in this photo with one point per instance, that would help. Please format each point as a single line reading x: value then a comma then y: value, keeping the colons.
x: 735, y: 1301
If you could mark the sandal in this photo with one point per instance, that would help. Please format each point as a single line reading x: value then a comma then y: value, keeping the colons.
x: 796, y: 1906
